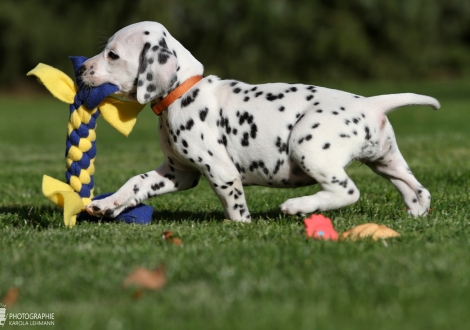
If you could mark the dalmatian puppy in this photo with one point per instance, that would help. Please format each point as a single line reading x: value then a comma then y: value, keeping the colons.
x: 237, y: 134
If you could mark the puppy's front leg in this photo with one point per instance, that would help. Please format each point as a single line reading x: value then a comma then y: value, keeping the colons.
x: 230, y: 193
x: 160, y: 181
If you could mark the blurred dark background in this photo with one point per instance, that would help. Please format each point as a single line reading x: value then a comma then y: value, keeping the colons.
x: 253, y: 40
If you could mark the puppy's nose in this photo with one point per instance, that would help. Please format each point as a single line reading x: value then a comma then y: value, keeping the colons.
x: 81, y: 70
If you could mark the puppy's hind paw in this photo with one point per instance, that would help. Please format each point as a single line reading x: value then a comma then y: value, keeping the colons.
x: 293, y: 207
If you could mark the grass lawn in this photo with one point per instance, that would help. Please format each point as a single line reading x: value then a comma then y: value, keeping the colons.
x: 263, y: 275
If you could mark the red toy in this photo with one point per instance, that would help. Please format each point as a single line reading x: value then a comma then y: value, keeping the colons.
x: 320, y: 227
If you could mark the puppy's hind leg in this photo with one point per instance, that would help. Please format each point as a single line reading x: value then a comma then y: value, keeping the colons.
x: 393, y: 167
x: 338, y: 189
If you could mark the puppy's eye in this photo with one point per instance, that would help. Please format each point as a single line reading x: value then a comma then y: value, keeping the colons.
x: 112, y: 55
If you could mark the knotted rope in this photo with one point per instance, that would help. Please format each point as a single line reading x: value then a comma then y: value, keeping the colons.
x: 85, y: 106
x: 80, y: 149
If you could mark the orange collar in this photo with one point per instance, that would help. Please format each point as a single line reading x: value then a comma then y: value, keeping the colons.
x: 161, y: 106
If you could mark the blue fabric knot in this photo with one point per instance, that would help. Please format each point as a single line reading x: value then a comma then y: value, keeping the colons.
x: 91, y: 97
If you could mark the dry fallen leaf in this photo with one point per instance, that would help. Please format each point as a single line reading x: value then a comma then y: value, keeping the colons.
x: 147, y: 279
x: 176, y: 241
x: 369, y: 230
x: 138, y: 294
x: 168, y: 236
x: 10, y: 297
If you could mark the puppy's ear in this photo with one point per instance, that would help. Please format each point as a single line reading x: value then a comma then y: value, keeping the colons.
x: 157, y: 72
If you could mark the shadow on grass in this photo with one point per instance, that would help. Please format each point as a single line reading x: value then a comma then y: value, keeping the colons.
x: 218, y: 216
x: 48, y: 217
x: 30, y: 216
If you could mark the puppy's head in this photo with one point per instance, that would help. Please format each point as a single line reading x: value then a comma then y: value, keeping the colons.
x: 140, y: 59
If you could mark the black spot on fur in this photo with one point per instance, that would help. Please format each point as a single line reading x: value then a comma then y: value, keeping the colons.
x: 271, y: 97
x: 189, y: 124
x: 245, y: 117
x: 223, y: 140
x: 254, y: 130
x: 203, y: 114
x: 163, y: 58
x: 326, y: 146
x: 278, y: 165
x: 143, y: 58
x: 368, y: 136
x: 299, y: 118
x: 189, y: 98
x: 282, y: 147
x: 163, y: 44
x: 244, y: 142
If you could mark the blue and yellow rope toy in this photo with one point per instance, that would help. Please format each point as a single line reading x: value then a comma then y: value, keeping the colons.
x: 86, y: 104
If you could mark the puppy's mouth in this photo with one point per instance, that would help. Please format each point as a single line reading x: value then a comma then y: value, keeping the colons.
x: 89, y: 79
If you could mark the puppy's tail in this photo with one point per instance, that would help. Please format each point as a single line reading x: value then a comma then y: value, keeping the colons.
x: 389, y: 102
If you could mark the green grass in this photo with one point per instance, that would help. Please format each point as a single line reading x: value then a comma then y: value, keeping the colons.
x: 264, y: 275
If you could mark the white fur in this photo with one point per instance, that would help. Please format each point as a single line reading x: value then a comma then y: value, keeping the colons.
x: 236, y: 134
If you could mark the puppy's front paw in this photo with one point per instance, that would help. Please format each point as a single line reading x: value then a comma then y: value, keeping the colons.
x: 101, y: 209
